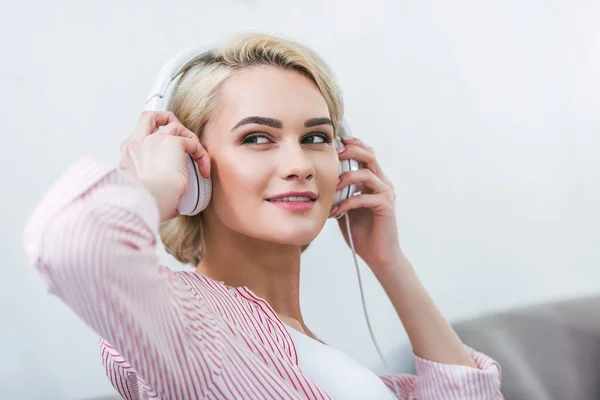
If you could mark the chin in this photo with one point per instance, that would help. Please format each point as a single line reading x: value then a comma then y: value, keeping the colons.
x: 293, y: 234
x: 291, y: 229
x: 292, y: 240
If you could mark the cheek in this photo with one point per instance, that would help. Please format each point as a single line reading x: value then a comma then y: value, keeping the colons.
x: 329, y: 170
x: 239, y: 181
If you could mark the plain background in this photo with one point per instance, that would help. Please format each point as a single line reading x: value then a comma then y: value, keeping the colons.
x: 485, y: 115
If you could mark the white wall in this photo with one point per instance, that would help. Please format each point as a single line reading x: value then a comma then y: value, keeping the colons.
x: 485, y: 115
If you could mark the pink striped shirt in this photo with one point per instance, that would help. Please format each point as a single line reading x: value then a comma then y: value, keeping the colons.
x: 181, y: 335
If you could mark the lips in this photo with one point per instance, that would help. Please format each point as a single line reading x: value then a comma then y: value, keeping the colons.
x: 297, y: 202
x: 293, y: 197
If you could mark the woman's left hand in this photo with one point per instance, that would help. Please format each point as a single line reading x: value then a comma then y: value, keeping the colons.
x: 372, y: 212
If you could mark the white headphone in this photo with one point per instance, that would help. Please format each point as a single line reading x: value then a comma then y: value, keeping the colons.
x: 199, y: 191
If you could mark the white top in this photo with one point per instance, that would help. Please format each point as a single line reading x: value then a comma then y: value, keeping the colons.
x: 342, y: 377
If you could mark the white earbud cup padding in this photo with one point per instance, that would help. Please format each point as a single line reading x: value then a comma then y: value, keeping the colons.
x: 205, y: 194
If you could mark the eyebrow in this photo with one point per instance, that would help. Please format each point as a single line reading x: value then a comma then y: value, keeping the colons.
x: 317, y: 121
x: 275, y: 123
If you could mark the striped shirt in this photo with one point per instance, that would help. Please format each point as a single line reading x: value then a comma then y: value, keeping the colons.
x: 180, y: 335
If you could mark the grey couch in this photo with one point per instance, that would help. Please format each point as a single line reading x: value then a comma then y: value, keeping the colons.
x: 547, y: 352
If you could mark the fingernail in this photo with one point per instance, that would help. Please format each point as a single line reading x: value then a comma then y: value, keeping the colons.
x: 348, y: 137
x: 333, y: 210
x: 340, y: 150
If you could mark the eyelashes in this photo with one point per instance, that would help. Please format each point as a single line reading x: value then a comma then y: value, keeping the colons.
x: 254, y: 138
x: 322, y: 136
x: 257, y: 139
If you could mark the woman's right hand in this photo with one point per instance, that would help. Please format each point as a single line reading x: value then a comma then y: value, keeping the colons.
x: 155, y: 155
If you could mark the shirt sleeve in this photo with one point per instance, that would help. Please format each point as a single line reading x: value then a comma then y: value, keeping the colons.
x: 93, y: 238
x: 437, y: 381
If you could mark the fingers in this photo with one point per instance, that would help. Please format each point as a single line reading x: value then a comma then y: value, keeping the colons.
x: 380, y: 203
x: 365, y: 177
x: 191, y: 145
x: 166, y: 123
x: 150, y: 121
x: 175, y: 128
x: 379, y: 196
x: 357, y: 150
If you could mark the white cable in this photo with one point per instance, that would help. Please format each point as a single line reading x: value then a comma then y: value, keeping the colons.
x: 364, y: 303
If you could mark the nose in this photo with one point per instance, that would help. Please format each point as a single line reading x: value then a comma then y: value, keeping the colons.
x: 295, y: 163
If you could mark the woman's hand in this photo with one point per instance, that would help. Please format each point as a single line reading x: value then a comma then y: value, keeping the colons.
x: 155, y: 154
x: 372, y: 214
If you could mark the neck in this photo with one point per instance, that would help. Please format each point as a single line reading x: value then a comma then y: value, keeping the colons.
x: 270, y: 270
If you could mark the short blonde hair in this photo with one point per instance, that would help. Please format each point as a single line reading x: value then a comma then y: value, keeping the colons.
x: 195, y: 102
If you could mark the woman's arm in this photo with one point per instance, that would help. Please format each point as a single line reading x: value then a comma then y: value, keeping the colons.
x: 430, y: 334
x: 446, y: 368
x: 93, y: 238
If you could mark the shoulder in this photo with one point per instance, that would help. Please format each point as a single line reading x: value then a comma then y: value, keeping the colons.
x: 200, y: 285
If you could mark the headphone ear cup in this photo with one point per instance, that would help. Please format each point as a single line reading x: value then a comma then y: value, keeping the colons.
x: 198, y: 193
x: 199, y: 189
x: 350, y: 190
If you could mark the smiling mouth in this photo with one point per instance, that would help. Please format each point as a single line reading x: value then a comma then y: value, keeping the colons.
x: 292, y: 199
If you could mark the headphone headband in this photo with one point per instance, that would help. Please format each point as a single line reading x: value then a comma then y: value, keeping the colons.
x: 169, y: 72
x: 159, y: 93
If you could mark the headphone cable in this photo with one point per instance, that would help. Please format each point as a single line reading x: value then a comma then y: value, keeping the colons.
x: 364, y: 304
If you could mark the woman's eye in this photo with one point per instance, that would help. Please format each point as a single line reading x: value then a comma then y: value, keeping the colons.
x: 316, y: 138
x: 256, y: 139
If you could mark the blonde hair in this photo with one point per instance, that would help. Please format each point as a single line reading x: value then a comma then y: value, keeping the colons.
x: 195, y: 102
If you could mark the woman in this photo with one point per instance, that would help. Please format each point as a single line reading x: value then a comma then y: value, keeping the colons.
x: 259, y: 117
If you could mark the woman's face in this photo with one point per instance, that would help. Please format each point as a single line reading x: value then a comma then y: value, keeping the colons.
x: 274, y: 164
